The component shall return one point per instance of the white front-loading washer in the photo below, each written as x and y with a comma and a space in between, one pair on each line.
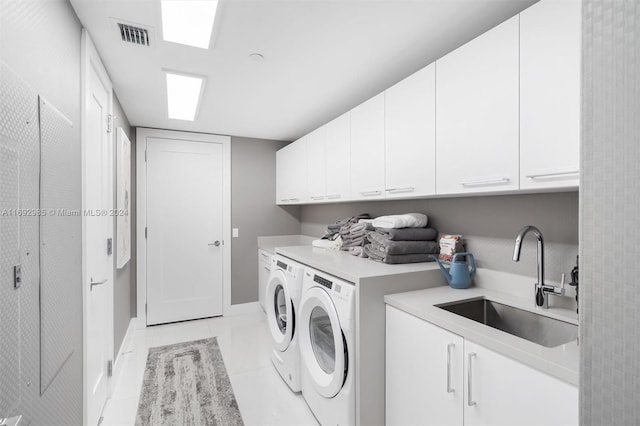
282, 301
327, 347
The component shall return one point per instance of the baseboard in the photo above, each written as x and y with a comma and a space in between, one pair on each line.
242, 308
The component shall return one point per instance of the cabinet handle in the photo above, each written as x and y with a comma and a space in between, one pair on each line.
333, 196
317, 197
268, 269
485, 182
470, 401
293, 200
553, 175
284, 200
370, 193
450, 347
401, 190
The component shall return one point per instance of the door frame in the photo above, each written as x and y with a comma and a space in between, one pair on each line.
90, 58
141, 212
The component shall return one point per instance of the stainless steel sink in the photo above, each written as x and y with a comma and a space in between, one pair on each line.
527, 325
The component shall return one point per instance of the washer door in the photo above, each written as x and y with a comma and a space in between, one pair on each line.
280, 315
322, 344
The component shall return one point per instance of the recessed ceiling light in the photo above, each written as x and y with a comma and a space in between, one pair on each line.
188, 22
256, 57
183, 95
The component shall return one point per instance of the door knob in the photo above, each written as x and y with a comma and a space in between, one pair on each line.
93, 283
216, 243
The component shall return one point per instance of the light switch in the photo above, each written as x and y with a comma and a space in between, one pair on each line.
235, 232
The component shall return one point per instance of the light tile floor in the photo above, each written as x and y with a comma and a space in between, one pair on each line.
263, 397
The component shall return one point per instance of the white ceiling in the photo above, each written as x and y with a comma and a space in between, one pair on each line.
322, 57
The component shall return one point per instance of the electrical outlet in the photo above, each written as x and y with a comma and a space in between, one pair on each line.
235, 232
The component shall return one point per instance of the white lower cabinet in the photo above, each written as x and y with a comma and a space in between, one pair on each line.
424, 383
434, 377
502, 391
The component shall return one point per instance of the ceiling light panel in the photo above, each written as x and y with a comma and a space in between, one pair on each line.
183, 95
188, 22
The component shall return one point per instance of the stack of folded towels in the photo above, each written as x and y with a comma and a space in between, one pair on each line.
354, 236
401, 239
333, 238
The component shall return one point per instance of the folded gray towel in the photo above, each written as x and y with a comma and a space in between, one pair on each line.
353, 243
406, 247
409, 234
334, 228
361, 227
357, 251
396, 258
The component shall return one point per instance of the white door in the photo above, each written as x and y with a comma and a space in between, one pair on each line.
424, 369
316, 164
339, 158
477, 114
502, 391
410, 135
184, 230
322, 346
98, 198
550, 94
367, 149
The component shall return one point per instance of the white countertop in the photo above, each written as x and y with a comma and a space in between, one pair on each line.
561, 362
270, 243
348, 267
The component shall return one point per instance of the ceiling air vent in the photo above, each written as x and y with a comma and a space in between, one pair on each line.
135, 35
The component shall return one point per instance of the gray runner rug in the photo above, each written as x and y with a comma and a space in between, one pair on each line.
187, 384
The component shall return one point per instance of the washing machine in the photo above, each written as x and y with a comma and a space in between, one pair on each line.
282, 300
327, 347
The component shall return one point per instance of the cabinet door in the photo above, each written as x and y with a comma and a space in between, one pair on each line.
316, 164
410, 136
282, 175
291, 173
477, 114
367, 149
550, 94
424, 366
338, 160
502, 391
297, 175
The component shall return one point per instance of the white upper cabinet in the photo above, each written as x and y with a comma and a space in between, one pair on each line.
550, 94
291, 173
410, 136
338, 139
477, 114
316, 165
367, 149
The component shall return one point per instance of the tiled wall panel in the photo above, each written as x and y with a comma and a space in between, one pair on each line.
609, 209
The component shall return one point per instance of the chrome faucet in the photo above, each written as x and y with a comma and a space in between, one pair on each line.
542, 290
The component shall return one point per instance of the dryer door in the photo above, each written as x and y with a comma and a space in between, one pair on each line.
322, 346
280, 315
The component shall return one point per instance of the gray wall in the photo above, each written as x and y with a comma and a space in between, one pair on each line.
40, 42
253, 211
610, 204
124, 289
489, 225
